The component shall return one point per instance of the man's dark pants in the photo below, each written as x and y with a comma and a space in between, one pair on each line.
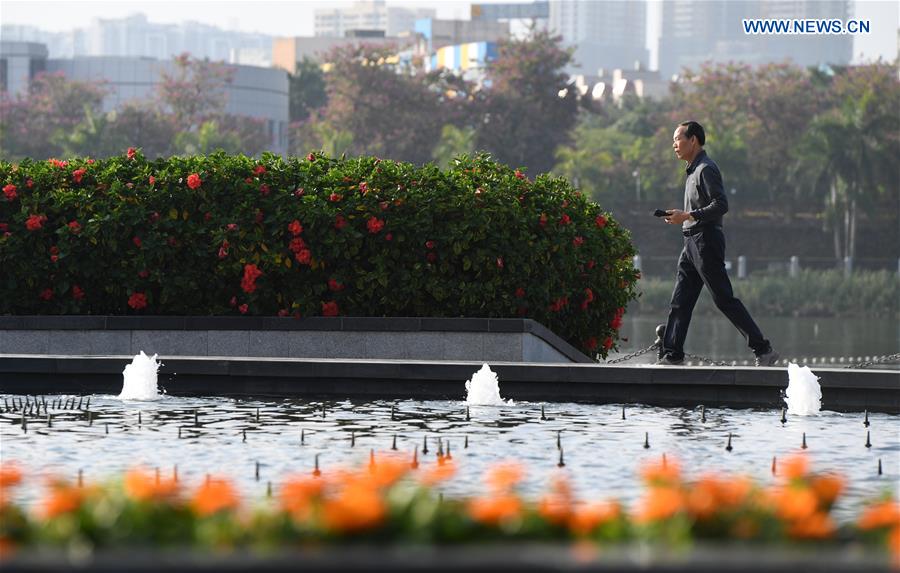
702, 262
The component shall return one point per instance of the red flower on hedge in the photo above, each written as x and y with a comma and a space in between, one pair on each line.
283, 312
588, 298
152, 180
520, 292
578, 241
616, 322
329, 309
131, 153
137, 242
340, 222
144, 273
304, 257
137, 300
608, 342
259, 170
295, 227
363, 187
297, 244
499, 262
591, 343
264, 190
429, 244
77, 292
334, 197
193, 180
251, 273
335, 286
35, 222
46, 294
565, 219
311, 157
543, 220
243, 308
558, 304
231, 227
10, 192
600, 221
78, 174
431, 257
374, 225
223, 250
389, 237
519, 174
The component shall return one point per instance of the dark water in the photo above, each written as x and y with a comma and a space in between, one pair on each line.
800, 338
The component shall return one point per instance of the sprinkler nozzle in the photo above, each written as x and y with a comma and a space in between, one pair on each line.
703, 413
774, 466
543, 416
394, 443
623, 411
868, 439
415, 460
646, 440
783, 415
424, 445
316, 471
866, 421
879, 466
561, 462
302, 437
466, 442
468, 417
352, 438
728, 447
804, 441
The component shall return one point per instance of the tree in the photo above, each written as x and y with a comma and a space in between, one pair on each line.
391, 112
307, 89
54, 105
194, 90
852, 149
528, 110
454, 141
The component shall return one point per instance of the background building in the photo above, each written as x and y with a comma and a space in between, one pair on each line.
256, 92
439, 33
368, 15
606, 34
696, 32
286, 52
134, 36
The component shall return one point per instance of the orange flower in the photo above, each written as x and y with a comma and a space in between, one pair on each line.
876, 516
64, 498
660, 503
10, 475
795, 467
385, 471
556, 506
142, 486
711, 494
437, 473
298, 493
214, 496
495, 510
827, 488
795, 504
587, 518
503, 476
661, 472
357, 507
816, 526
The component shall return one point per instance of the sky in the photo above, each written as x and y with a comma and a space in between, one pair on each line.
295, 18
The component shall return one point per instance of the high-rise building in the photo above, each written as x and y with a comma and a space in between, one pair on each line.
134, 36
697, 32
368, 15
606, 34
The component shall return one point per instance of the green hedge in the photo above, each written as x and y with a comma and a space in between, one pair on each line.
223, 234
812, 293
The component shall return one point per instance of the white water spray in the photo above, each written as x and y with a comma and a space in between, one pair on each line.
484, 388
803, 394
139, 381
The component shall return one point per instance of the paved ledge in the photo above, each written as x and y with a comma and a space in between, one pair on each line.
492, 339
487, 558
739, 387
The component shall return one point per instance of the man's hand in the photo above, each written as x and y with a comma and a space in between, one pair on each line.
677, 216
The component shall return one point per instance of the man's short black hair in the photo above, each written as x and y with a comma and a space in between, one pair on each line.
694, 129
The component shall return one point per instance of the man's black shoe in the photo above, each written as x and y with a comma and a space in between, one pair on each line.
767, 358
667, 360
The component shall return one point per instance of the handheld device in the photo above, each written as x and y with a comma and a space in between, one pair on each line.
659, 213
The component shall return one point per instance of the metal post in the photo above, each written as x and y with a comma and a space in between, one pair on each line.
795, 266
848, 266
742, 267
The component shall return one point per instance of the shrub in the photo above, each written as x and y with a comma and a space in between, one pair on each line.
229, 234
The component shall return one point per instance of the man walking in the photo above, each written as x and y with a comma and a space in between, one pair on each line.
702, 261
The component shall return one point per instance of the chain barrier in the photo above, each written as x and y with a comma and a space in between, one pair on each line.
876, 360
653, 346
705, 359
